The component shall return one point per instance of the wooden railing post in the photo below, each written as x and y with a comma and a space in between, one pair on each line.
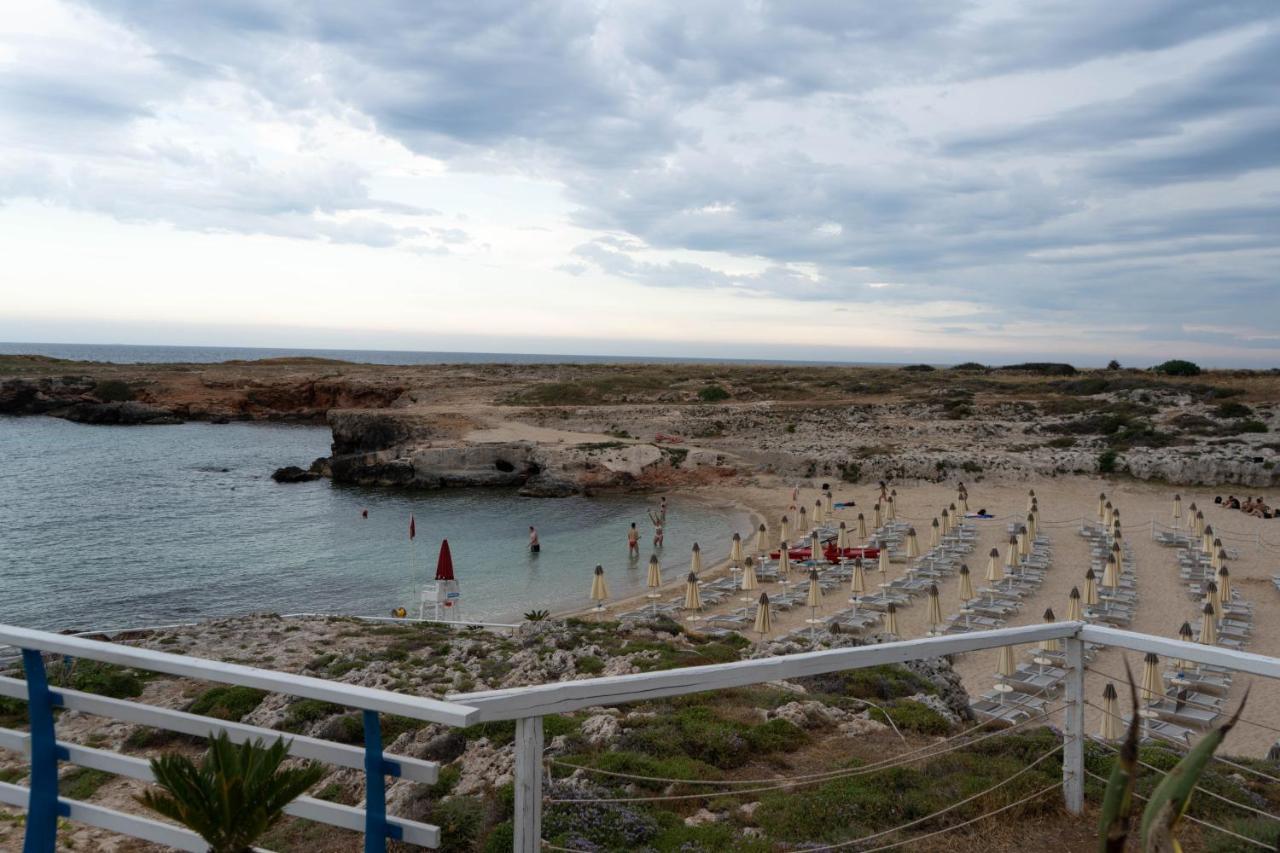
1073, 728
528, 772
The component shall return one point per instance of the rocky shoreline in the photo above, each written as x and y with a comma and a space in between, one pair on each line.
529, 428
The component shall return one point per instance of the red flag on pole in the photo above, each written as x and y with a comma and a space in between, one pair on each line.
413, 529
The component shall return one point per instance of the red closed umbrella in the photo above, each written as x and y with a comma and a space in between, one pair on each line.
444, 565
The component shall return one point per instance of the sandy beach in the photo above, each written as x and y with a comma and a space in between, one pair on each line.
1163, 601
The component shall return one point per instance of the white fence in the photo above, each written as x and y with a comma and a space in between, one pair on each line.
525, 705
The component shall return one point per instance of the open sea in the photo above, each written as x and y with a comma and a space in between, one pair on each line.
110, 527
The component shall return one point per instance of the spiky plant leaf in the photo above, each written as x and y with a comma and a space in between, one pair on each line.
1117, 802
233, 796
1170, 799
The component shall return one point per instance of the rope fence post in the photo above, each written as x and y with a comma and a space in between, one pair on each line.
528, 773
1073, 728
42, 804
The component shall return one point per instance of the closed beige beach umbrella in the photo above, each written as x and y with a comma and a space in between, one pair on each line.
1118, 555
599, 589
1110, 715
764, 620
735, 551
1200, 525
816, 551
857, 581
1210, 593
1031, 526
842, 540
1224, 586
784, 530
695, 562
692, 595
1035, 516
1206, 540
994, 573
891, 620
1208, 626
862, 528
1151, 690
884, 563
1024, 542
1075, 613
1106, 515
784, 563
955, 517
749, 580
762, 540
1005, 665
1186, 635
654, 581
1049, 645
1102, 507
892, 509
802, 521
814, 600
946, 526
1177, 510
879, 518
831, 502
1031, 499
935, 609
1111, 574
1090, 588
966, 585
819, 514
913, 544
964, 501
1011, 555
1219, 559
935, 533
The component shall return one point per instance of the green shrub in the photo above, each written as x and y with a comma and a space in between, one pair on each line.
1232, 410
446, 781
919, 368
106, 679
1061, 442
639, 764
459, 819
970, 367
81, 783
878, 683
590, 664
1113, 365
1043, 368
1248, 426
777, 736
913, 717
306, 711
13, 712
850, 472
502, 838
113, 391
227, 702
712, 394
1107, 461
1177, 367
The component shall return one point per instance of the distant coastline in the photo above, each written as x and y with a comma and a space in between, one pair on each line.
156, 354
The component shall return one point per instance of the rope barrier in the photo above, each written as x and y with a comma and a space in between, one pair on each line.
879, 765
776, 784
1195, 820
944, 810
1191, 702
1205, 791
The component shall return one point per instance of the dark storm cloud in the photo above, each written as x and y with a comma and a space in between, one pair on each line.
721, 127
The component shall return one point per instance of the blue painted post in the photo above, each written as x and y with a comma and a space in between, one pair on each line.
42, 806
376, 828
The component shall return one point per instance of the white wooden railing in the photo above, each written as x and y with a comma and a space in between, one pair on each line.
525, 705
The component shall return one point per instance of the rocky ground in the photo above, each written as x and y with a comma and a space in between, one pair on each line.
771, 734
559, 429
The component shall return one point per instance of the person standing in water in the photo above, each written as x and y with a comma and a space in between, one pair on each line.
633, 541
657, 519
662, 509
534, 545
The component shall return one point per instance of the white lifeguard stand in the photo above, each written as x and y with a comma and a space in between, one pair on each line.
444, 598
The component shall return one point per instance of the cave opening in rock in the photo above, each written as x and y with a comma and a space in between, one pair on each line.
504, 466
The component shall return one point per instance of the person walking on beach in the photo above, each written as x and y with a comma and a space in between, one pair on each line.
534, 545
657, 519
633, 541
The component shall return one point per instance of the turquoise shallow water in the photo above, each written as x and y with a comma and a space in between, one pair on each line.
104, 527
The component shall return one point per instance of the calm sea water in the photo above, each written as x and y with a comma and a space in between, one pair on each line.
104, 527
131, 354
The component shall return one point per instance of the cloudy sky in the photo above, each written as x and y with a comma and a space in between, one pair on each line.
914, 180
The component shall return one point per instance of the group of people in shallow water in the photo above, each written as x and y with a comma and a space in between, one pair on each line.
1256, 507
658, 518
